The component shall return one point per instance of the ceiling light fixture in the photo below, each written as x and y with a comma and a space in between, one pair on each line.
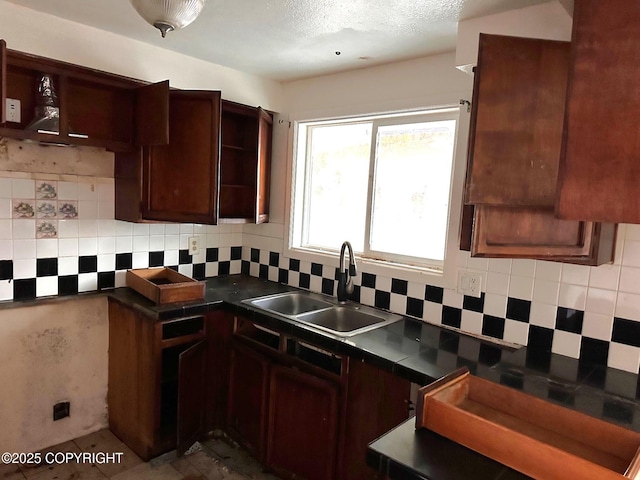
168, 15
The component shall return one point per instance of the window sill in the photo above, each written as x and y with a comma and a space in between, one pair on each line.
412, 273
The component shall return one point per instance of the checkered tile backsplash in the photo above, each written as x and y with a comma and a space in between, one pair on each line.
86, 273
545, 328
81, 248
58, 236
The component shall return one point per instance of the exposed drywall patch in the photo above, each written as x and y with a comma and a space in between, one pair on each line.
56, 352
50, 344
21, 156
4, 152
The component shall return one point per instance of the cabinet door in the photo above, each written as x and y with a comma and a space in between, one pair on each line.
529, 232
151, 114
514, 156
3, 81
518, 113
601, 166
248, 398
245, 163
191, 396
180, 180
303, 425
385, 398
219, 333
265, 132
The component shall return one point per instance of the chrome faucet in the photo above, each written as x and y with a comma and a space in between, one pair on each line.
345, 283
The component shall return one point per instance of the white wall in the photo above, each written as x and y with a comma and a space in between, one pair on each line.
51, 353
550, 20
59, 352
408, 85
29, 31
606, 294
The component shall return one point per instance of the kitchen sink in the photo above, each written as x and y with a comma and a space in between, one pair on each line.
290, 304
343, 320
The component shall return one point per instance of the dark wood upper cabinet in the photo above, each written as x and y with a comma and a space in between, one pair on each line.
518, 113
3, 81
96, 108
515, 147
245, 162
152, 114
530, 232
215, 168
180, 179
181, 156
600, 167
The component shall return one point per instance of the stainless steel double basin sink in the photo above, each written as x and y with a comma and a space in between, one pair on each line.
323, 313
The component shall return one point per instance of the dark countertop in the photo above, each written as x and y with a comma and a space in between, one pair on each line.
423, 454
421, 353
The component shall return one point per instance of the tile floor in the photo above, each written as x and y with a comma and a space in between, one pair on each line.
210, 460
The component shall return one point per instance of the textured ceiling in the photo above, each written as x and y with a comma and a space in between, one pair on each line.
291, 39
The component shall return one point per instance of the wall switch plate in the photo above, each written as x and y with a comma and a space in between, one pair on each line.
194, 247
469, 283
12, 110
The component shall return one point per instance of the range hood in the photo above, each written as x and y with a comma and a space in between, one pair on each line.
47, 111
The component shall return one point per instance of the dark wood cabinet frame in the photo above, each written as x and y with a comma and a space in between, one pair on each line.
514, 155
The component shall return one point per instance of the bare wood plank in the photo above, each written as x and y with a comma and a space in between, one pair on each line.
164, 285
518, 451
604, 435
529, 434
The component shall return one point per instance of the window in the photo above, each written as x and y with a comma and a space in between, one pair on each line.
383, 183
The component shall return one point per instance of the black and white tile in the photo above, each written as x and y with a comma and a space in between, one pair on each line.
547, 328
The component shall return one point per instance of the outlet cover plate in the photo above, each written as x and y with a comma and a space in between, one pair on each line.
194, 245
12, 110
469, 283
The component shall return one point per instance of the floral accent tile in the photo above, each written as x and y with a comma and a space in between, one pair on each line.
46, 209
23, 208
68, 209
46, 229
46, 189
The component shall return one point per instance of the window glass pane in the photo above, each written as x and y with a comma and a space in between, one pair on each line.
336, 197
411, 189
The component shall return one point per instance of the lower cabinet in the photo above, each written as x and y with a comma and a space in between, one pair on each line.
219, 326
156, 382
307, 413
303, 424
248, 398
302, 411
376, 402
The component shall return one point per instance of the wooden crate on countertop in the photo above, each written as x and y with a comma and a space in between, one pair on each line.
529, 434
164, 285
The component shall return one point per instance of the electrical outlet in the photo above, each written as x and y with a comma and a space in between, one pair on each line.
12, 110
469, 283
194, 247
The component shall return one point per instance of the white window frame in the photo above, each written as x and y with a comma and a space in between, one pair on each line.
443, 275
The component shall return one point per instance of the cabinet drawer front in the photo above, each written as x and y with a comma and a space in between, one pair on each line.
182, 327
518, 232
